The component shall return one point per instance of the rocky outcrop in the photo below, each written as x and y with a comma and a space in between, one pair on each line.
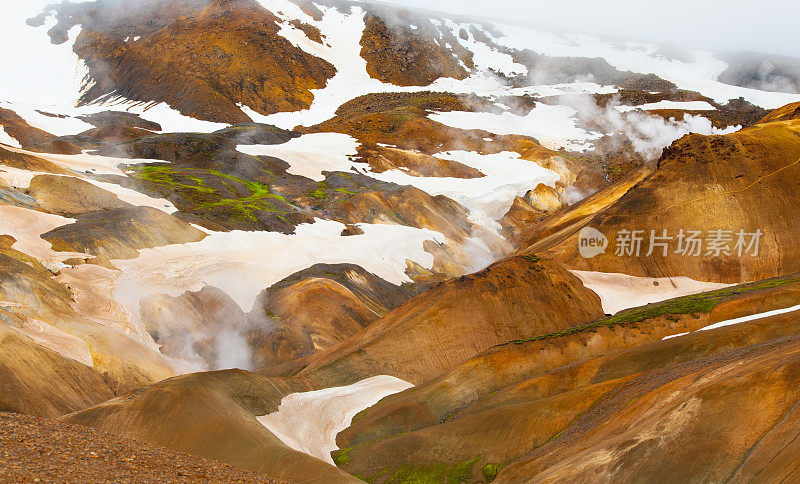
118, 234
382, 159
201, 57
409, 206
70, 196
397, 54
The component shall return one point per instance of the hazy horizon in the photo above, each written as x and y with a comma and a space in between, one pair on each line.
732, 25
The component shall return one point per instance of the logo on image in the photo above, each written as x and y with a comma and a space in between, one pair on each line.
591, 243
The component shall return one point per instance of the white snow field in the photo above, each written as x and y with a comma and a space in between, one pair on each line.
488, 198
242, 264
620, 291
554, 126
311, 154
309, 422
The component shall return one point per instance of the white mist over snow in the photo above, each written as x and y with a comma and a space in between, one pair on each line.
698, 75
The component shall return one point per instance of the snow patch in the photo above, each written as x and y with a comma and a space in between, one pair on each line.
27, 226
312, 154
685, 106
309, 422
621, 291
553, 126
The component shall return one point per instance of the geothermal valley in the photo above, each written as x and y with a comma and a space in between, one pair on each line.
335, 241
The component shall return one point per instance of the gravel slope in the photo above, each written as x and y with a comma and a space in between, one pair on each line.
36, 450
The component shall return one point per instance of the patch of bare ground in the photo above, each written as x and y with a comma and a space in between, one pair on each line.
37, 450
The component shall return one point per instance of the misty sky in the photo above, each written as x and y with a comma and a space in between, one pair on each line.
762, 26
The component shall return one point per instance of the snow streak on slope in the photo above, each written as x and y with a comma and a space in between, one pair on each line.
687, 106
7, 140
484, 56
754, 317
744, 319
27, 226
56, 340
309, 422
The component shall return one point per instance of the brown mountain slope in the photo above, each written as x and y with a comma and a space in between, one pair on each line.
786, 113
192, 326
458, 319
315, 310
726, 407
473, 382
119, 233
34, 139
70, 196
41, 382
30, 296
311, 315
567, 384
213, 415
746, 181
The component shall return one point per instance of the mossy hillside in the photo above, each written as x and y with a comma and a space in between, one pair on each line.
428, 474
695, 305
198, 190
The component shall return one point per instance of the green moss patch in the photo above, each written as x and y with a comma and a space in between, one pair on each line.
687, 305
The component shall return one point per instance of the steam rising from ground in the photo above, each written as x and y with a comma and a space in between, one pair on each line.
648, 134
